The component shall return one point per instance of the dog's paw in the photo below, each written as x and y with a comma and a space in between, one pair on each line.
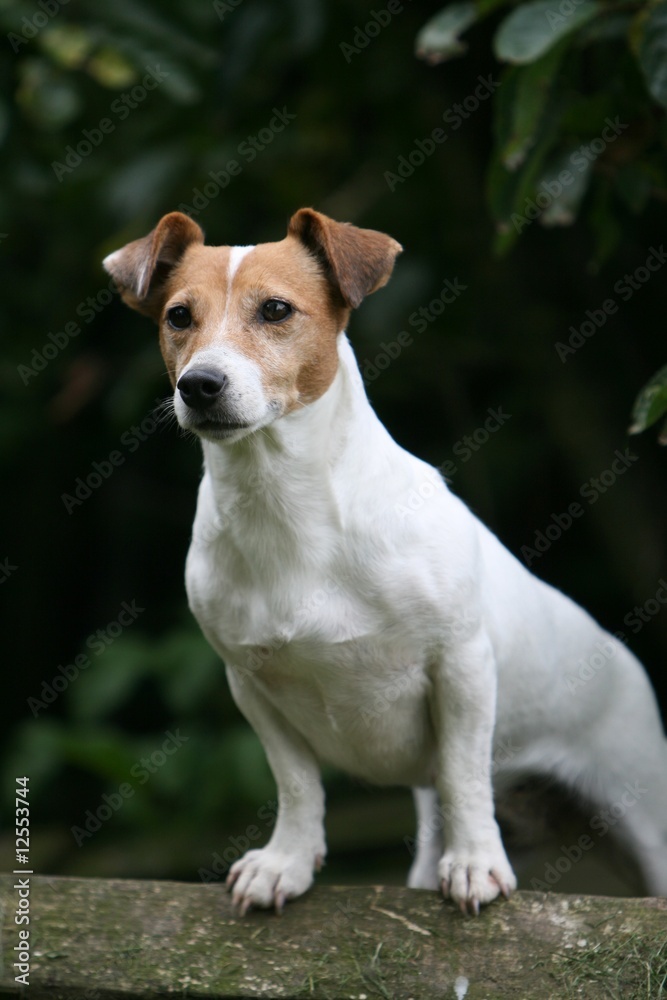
472, 878
267, 878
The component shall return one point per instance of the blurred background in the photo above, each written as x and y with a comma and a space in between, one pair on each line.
491, 354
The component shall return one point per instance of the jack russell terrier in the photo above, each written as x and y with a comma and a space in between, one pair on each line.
326, 596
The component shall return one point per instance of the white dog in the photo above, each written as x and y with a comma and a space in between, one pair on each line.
326, 596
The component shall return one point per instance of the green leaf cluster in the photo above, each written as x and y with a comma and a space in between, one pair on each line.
579, 117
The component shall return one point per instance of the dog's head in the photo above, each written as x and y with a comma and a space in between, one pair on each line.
249, 334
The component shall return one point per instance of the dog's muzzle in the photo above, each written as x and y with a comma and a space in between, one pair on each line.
201, 388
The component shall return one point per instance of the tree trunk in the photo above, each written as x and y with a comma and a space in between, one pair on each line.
97, 939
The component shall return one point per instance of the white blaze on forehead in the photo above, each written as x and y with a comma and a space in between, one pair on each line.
236, 255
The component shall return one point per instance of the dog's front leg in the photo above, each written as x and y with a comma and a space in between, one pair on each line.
284, 868
474, 868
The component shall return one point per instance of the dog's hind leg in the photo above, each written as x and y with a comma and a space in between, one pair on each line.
629, 799
428, 840
618, 764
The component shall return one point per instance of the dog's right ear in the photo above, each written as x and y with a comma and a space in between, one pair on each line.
141, 268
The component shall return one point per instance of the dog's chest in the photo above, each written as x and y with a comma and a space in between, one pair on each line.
332, 651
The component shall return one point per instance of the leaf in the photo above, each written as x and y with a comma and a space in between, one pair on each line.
614, 26
532, 92
105, 685
110, 68
510, 195
188, 671
68, 45
104, 752
534, 28
566, 188
439, 38
510, 192
36, 750
48, 97
653, 53
651, 404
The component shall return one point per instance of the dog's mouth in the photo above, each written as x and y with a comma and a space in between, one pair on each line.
211, 427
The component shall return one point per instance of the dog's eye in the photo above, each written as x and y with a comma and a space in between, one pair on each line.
179, 317
275, 310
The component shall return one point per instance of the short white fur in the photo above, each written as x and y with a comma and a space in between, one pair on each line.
406, 646
428, 604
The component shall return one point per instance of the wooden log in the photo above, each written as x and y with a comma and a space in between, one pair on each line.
107, 939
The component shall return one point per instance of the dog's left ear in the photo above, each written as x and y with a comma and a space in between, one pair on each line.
357, 261
141, 268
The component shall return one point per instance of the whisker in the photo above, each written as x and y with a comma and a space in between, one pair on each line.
164, 412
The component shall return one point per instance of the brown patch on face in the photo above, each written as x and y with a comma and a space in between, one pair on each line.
297, 357
200, 283
322, 269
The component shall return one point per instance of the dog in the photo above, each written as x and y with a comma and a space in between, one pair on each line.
402, 645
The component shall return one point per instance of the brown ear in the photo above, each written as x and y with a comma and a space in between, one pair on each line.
141, 268
357, 261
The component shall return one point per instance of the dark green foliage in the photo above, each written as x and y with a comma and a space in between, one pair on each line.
584, 89
241, 112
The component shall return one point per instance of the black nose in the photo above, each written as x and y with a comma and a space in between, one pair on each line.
201, 388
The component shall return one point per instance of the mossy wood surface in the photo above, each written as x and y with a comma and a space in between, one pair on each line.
97, 939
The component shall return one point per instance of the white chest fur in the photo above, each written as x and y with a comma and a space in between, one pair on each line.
297, 582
